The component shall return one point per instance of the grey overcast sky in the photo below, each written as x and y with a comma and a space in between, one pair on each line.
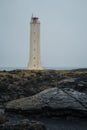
63, 32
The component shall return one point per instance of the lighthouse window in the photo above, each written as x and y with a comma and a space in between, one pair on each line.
34, 49
34, 58
34, 65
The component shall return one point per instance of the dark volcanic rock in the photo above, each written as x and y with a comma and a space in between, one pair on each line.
52, 99
2, 118
24, 124
78, 84
23, 83
68, 93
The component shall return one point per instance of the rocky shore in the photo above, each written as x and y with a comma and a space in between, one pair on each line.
48, 93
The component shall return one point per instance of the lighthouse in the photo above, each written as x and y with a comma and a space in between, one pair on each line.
34, 57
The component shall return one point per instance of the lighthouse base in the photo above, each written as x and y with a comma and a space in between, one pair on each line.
34, 68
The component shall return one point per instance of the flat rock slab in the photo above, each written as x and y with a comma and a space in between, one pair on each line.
53, 98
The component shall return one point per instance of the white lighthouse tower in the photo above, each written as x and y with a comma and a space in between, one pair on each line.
34, 61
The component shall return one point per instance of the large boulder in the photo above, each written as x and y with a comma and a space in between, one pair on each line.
53, 98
